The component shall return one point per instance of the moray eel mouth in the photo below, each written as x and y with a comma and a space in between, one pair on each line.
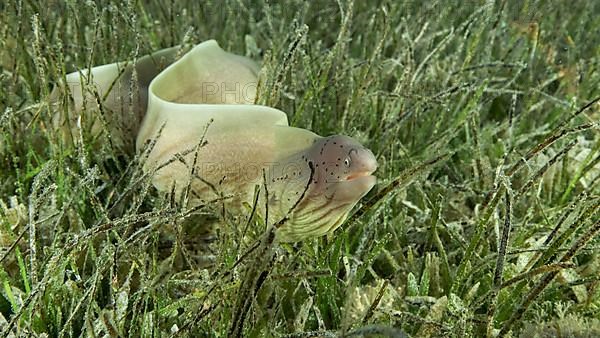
352, 188
359, 175
362, 177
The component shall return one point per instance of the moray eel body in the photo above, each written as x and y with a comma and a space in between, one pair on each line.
206, 139
108, 100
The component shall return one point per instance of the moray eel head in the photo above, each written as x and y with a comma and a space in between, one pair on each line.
342, 168
341, 175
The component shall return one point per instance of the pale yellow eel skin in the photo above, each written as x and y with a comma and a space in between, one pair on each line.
123, 101
204, 137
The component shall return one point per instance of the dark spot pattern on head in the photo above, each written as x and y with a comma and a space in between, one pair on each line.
324, 145
335, 158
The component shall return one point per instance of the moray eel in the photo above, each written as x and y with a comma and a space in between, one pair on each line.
204, 137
